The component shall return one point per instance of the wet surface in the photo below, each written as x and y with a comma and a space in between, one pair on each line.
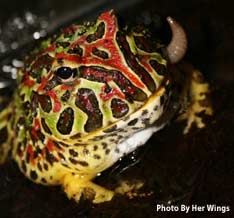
177, 169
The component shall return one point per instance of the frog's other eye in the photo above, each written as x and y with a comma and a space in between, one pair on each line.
66, 74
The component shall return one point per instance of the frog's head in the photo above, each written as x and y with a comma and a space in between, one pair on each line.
94, 75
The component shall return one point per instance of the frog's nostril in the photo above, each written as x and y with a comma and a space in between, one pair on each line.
178, 45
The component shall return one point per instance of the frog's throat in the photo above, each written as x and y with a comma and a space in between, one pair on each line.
136, 140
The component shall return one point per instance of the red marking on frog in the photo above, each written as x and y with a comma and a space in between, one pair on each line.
37, 124
57, 104
50, 49
34, 133
109, 95
69, 87
50, 145
71, 29
145, 62
130, 90
106, 78
68, 57
35, 128
44, 81
43, 84
97, 74
27, 81
115, 61
65, 87
31, 154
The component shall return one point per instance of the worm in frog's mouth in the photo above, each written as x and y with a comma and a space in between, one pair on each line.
178, 45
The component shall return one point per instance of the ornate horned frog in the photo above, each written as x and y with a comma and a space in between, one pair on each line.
94, 94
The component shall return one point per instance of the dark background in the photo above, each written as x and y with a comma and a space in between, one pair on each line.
194, 169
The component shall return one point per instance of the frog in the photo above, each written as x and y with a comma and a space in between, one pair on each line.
93, 94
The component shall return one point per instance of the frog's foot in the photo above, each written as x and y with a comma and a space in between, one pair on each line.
198, 93
131, 189
75, 186
125, 186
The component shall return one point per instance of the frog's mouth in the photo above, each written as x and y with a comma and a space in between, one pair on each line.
136, 140
154, 121
152, 110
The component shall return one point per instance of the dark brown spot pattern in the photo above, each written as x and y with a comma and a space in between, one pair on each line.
104, 145
87, 102
83, 163
39, 166
99, 53
96, 156
62, 44
73, 153
49, 156
52, 83
65, 97
159, 68
95, 148
100, 74
33, 175
133, 122
110, 129
65, 122
132, 62
44, 101
43, 61
73, 161
45, 165
98, 34
107, 151
43, 180
45, 126
119, 108
76, 50
146, 43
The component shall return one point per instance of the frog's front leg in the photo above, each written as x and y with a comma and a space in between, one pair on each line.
6, 134
196, 97
76, 185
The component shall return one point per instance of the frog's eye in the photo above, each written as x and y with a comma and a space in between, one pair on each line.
66, 74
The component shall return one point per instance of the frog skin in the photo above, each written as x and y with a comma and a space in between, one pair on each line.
93, 94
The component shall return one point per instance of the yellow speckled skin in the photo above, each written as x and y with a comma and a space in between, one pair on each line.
91, 96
